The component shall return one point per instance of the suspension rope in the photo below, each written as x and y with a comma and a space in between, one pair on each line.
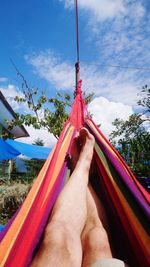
77, 65
119, 66
77, 30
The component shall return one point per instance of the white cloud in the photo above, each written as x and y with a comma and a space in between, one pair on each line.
49, 66
9, 93
3, 79
138, 10
101, 10
146, 123
117, 85
48, 138
117, 30
105, 112
123, 39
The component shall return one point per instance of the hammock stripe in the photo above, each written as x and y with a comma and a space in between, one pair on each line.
26, 229
126, 201
130, 203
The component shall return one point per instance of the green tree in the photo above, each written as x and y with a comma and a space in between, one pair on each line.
144, 102
44, 112
133, 140
34, 165
38, 142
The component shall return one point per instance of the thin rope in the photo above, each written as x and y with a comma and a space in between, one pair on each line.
119, 66
77, 30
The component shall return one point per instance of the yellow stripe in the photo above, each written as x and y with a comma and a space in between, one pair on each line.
60, 160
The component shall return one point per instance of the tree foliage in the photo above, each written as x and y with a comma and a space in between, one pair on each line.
44, 112
144, 102
133, 139
34, 165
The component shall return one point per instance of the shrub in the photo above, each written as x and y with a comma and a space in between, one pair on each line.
11, 197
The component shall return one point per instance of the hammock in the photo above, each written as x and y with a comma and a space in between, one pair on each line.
126, 201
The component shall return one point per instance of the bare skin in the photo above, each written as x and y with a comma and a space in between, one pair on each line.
74, 235
94, 237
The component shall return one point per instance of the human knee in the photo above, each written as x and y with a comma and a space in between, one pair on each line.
59, 234
62, 241
97, 240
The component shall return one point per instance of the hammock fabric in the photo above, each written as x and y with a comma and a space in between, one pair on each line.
126, 201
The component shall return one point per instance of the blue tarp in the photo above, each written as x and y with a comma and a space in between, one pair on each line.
31, 151
10, 149
7, 151
2, 227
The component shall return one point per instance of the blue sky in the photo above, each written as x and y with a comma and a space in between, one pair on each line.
39, 35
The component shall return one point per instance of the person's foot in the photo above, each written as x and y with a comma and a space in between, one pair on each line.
82, 149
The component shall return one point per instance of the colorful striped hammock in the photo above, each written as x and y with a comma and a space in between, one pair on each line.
126, 201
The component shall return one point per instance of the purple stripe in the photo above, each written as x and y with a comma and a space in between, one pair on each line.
124, 175
126, 178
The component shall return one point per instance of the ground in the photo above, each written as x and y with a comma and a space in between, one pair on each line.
11, 196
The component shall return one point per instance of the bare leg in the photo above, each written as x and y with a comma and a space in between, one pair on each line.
94, 237
100, 208
62, 244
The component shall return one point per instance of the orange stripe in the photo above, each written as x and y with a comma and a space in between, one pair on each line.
60, 160
10, 237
